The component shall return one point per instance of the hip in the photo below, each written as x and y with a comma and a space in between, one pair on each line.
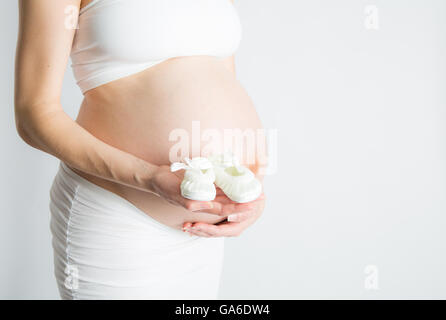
115, 250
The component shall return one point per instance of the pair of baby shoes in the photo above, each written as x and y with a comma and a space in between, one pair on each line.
236, 181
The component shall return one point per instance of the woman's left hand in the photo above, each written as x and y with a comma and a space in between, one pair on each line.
232, 227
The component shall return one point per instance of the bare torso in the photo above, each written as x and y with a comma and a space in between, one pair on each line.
137, 114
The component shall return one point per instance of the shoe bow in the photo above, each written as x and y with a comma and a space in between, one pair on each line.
196, 164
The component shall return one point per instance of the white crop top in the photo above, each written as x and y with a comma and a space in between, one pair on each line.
117, 38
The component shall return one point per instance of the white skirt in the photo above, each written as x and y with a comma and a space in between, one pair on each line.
106, 248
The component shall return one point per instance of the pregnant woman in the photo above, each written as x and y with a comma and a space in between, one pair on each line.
146, 68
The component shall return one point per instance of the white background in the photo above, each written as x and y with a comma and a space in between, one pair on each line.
361, 180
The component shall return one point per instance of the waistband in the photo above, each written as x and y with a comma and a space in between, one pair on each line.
108, 198
78, 180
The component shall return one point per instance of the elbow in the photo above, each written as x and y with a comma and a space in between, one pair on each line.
32, 112
23, 134
23, 124
33, 119
22, 129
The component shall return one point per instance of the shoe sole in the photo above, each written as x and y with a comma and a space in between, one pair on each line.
198, 196
246, 198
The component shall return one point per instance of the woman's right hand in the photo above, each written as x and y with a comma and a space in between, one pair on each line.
166, 184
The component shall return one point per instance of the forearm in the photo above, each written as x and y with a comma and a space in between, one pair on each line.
54, 132
43, 47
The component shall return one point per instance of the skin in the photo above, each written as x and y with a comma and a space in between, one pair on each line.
119, 140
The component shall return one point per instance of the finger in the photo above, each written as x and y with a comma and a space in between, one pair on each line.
219, 191
226, 229
216, 209
186, 225
223, 199
193, 205
221, 205
213, 230
239, 217
225, 209
243, 207
197, 232
228, 209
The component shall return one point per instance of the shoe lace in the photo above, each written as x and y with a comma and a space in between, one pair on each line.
230, 160
197, 164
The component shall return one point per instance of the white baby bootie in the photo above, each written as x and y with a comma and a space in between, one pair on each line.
236, 181
198, 182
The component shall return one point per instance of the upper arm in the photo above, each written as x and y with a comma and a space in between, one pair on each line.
46, 31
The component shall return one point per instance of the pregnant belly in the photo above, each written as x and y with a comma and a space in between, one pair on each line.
182, 107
